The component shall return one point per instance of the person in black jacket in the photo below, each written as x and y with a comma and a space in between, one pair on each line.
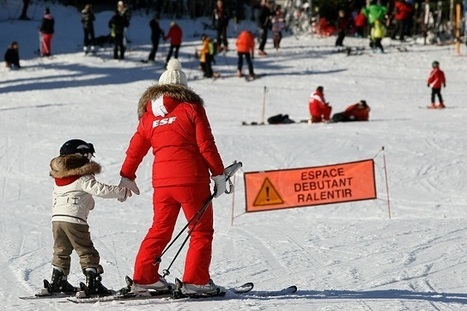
117, 24
264, 24
156, 34
221, 22
12, 56
87, 19
47, 30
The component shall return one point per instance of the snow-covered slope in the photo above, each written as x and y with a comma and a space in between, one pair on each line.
414, 261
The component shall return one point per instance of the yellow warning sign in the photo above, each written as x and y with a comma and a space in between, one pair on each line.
267, 195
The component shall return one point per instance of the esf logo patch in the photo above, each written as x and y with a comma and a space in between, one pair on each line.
164, 121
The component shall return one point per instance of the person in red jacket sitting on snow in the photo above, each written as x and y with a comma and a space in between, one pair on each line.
320, 111
436, 80
173, 122
355, 112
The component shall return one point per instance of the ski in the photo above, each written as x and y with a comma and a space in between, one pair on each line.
433, 108
292, 289
126, 295
242, 289
252, 123
46, 293
47, 296
237, 292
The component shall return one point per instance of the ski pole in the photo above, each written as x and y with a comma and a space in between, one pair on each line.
263, 112
229, 172
199, 214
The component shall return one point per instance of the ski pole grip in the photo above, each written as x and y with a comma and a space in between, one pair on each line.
232, 169
229, 172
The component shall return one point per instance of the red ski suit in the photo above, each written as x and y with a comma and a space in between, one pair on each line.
356, 113
436, 78
319, 109
184, 156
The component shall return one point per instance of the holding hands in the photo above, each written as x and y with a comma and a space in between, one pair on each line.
130, 186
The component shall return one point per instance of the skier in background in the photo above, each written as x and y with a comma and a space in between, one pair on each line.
436, 80
74, 187
156, 34
375, 12
264, 24
173, 122
221, 23
175, 35
117, 24
87, 19
245, 48
123, 10
206, 56
343, 24
377, 33
402, 15
360, 24
278, 25
46, 29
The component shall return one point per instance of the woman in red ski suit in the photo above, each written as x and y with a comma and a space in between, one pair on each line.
173, 122
319, 109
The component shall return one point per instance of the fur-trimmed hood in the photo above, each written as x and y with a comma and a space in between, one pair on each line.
72, 165
177, 92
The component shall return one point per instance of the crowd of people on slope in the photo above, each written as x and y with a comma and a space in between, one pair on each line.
270, 17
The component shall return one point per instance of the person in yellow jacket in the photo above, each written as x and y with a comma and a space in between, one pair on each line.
206, 55
378, 32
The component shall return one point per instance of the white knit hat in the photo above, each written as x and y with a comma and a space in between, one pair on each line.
173, 74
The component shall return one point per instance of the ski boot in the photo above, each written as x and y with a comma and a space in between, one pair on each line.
93, 286
133, 289
198, 291
59, 283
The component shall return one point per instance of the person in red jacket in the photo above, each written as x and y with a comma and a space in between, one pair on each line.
320, 111
436, 80
360, 24
245, 47
175, 35
173, 122
355, 112
46, 33
402, 15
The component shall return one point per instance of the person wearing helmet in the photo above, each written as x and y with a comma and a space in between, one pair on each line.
436, 80
75, 185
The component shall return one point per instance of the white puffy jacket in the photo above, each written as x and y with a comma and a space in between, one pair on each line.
74, 188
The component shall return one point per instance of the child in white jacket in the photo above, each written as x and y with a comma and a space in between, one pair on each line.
74, 188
